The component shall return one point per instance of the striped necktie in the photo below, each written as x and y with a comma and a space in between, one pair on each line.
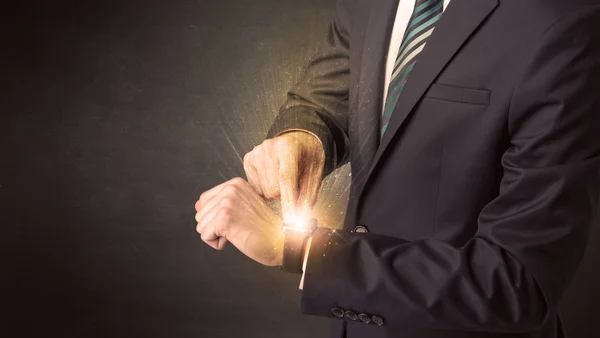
420, 26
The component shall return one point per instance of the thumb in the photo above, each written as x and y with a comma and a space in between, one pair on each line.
222, 241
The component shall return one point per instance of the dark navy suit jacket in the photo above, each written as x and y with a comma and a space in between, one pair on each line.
479, 198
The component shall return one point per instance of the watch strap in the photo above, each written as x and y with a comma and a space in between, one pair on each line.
293, 244
293, 248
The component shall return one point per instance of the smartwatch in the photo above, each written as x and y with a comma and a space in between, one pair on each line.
295, 238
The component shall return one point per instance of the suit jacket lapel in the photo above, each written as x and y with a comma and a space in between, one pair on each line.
370, 88
459, 21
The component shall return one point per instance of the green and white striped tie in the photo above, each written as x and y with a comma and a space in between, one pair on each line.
420, 26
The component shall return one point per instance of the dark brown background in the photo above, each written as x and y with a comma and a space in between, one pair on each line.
114, 117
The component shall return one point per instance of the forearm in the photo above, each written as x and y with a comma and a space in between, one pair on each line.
318, 103
425, 284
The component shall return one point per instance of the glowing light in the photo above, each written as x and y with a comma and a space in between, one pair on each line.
298, 220
253, 98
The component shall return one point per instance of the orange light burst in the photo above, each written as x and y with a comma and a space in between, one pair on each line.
297, 220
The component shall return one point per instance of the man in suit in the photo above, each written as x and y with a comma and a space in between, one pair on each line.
473, 132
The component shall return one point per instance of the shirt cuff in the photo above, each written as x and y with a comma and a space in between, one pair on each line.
307, 249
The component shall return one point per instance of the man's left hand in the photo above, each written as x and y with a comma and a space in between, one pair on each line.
234, 212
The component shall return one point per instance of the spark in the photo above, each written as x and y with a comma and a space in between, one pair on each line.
332, 233
298, 220
250, 108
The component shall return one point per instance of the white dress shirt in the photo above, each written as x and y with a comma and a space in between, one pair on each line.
403, 14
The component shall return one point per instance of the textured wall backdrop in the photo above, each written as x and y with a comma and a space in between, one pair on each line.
115, 116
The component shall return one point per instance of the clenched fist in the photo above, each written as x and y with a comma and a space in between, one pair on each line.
233, 212
289, 166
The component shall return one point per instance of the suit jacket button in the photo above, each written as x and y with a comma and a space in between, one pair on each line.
361, 229
364, 318
338, 312
377, 320
351, 315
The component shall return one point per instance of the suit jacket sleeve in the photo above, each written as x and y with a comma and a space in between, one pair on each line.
318, 103
510, 276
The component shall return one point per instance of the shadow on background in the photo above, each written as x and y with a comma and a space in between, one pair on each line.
115, 117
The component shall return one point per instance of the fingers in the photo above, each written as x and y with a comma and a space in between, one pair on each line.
221, 201
302, 162
228, 194
210, 197
217, 243
310, 182
209, 194
204, 212
311, 175
289, 167
208, 235
204, 217
210, 231
288, 179
235, 214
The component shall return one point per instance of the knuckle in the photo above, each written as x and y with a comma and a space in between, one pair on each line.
204, 236
237, 181
281, 145
225, 214
226, 204
205, 196
268, 192
230, 190
249, 157
272, 144
271, 194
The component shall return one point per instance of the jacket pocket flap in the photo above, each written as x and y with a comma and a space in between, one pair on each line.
459, 94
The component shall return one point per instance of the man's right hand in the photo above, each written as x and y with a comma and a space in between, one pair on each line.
289, 166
